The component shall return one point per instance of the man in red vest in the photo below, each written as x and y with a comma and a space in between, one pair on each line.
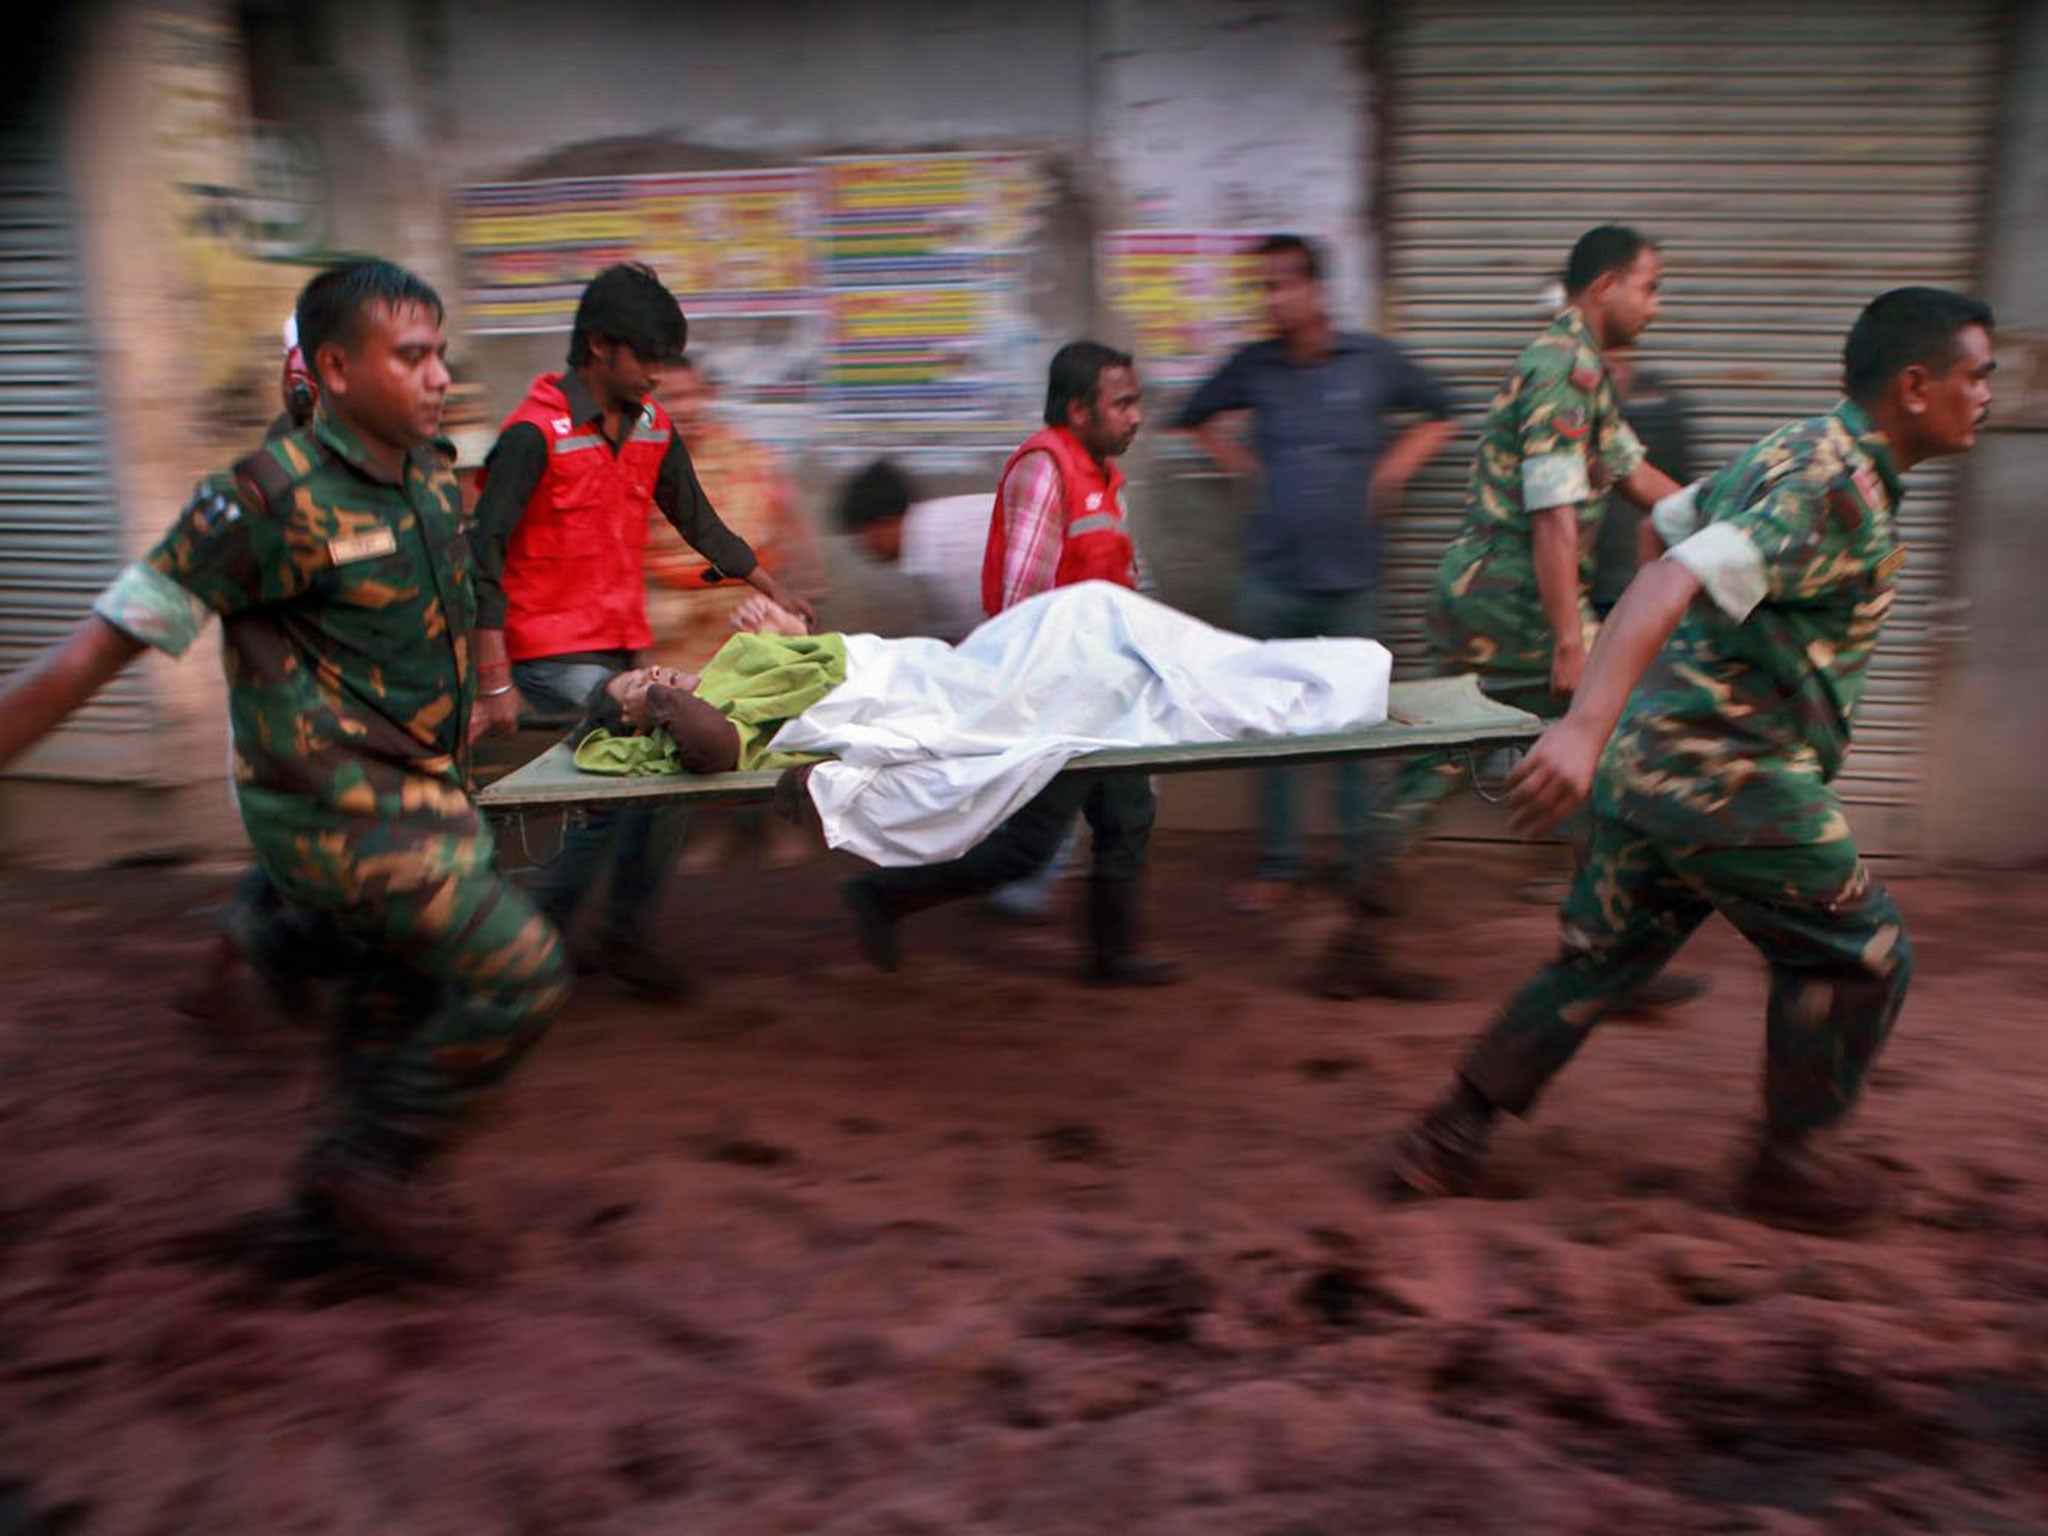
561, 527
1058, 519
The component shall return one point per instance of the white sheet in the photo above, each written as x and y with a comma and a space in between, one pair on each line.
936, 745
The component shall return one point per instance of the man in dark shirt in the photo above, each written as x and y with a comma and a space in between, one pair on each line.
1331, 469
561, 526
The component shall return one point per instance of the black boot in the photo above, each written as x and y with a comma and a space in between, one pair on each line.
1358, 961
1444, 1152
373, 1193
1113, 960
874, 921
1791, 1183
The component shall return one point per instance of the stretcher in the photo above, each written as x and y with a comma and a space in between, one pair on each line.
1436, 713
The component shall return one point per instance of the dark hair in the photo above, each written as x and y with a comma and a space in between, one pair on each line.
1076, 370
601, 712
875, 495
1904, 328
1608, 248
627, 305
330, 307
1310, 253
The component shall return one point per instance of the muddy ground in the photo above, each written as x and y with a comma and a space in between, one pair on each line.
975, 1250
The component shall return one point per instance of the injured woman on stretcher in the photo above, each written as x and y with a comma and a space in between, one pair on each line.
921, 749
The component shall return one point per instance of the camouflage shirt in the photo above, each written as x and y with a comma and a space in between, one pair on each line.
1744, 717
346, 608
1554, 437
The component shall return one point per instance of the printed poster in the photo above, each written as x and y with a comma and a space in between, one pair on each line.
921, 263
1189, 297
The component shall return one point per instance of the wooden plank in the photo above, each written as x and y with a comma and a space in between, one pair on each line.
1431, 712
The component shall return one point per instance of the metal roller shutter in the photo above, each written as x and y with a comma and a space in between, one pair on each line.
60, 539
1793, 161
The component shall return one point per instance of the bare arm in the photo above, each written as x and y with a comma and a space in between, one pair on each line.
1649, 544
1646, 485
1404, 456
1230, 455
1557, 775
1554, 540
36, 699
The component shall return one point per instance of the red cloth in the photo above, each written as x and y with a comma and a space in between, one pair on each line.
573, 579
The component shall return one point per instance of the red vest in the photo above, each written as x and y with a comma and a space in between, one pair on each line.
1094, 545
573, 567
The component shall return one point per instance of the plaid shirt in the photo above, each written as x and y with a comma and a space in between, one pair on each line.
1034, 528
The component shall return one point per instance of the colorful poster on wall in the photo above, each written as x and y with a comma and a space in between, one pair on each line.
727, 242
734, 246
921, 259
1190, 297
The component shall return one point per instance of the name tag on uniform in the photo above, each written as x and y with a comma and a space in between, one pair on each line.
362, 546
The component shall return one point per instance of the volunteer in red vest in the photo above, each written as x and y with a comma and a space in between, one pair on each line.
1058, 519
561, 527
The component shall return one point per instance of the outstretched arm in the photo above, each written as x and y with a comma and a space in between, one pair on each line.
1554, 552
1557, 775
36, 699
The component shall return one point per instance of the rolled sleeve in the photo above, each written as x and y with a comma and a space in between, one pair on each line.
680, 496
149, 607
1556, 437
1728, 566
1786, 522
1677, 517
1554, 480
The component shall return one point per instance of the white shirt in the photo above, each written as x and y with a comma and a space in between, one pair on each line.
944, 543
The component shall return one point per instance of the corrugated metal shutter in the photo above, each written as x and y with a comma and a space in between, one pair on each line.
60, 539
1793, 162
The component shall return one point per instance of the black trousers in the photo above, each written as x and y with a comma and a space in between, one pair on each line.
1120, 809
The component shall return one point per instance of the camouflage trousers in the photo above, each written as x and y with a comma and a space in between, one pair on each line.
1426, 779
451, 974
1832, 936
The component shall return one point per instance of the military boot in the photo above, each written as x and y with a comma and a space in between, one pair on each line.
1113, 960
1442, 1154
1358, 962
1790, 1183
389, 1212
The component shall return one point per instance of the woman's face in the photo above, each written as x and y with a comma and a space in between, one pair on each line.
629, 689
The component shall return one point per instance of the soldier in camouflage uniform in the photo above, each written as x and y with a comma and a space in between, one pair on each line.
1510, 603
1714, 794
335, 559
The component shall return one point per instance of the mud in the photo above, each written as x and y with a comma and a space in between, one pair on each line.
974, 1249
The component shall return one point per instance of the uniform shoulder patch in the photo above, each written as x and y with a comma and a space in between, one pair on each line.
1585, 375
266, 479
215, 504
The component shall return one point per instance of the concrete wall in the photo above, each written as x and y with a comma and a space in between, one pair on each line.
187, 331
1988, 784
1120, 99
399, 103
